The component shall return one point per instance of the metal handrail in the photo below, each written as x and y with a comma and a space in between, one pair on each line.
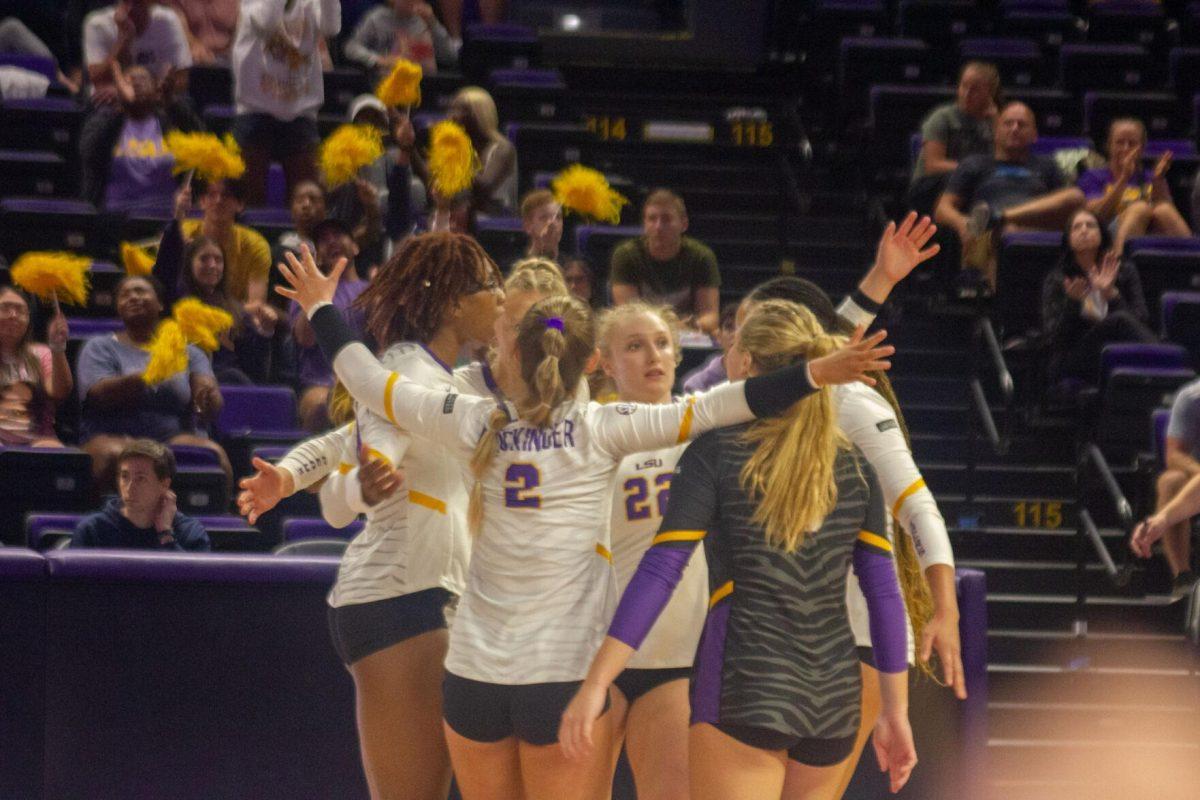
997, 356
1088, 540
984, 337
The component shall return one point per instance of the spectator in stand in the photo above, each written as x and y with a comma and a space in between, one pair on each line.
34, 377
494, 190
118, 404
209, 26
1011, 189
278, 86
247, 254
664, 266
1092, 298
713, 371
1130, 199
490, 12
197, 269
15, 37
334, 240
581, 282
954, 131
135, 33
400, 29
1178, 492
123, 155
542, 221
309, 208
144, 515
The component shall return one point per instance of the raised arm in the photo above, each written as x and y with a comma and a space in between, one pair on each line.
901, 249
689, 516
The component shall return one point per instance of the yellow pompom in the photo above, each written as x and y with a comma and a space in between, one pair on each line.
212, 158
49, 275
137, 260
402, 87
586, 191
168, 353
201, 323
453, 161
347, 150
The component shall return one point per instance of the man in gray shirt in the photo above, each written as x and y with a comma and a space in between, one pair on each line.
954, 131
400, 29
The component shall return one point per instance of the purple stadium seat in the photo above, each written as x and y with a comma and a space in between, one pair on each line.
1083, 67
1019, 59
1158, 110
35, 224
84, 328
295, 530
1047, 145
270, 222
595, 243
1163, 270
1023, 261
533, 94
34, 172
1158, 443
527, 78
43, 123
1145, 356
1058, 113
1179, 147
276, 187
41, 528
940, 24
218, 118
342, 85
1131, 393
271, 453
486, 47
1181, 320
972, 626
502, 237
1130, 21
37, 478
863, 63
189, 456
834, 20
28, 61
1050, 27
1184, 69
894, 113
1175, 244
259, 411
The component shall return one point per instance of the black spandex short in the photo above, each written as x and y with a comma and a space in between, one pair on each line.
491, 712
361, 629
810, 752
634, 683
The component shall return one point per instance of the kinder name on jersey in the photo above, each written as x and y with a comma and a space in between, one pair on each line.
527, 440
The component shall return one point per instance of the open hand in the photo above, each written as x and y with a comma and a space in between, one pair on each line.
575, 729
1162, 165
900, 247
308, 286
853, 360
377, 478
941, 634
57, 332
1104, 278
263, 491
1148, 531
1076, 288
894, 749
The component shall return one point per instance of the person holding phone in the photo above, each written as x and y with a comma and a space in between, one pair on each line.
144, 515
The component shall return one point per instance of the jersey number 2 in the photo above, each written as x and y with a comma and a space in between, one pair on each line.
520, 484
637, 496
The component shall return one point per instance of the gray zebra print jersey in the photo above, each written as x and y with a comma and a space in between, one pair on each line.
777, 652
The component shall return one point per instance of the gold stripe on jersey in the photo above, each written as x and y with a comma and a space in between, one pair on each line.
678, 536
913, 488
685, 427
604, 552
373, 455
428, 501
723, 591
344, 468
387, 397
874, 540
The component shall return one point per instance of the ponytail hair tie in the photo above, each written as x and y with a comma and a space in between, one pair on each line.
554, 322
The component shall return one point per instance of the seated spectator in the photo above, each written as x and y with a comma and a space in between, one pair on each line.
34, 377
494, 189
135, 33
309, 208
197, 269
542, 221
400, 29
123, 155
144, 515
15, 37
713, 370
209, 26
581, 282
278, 86
119, 405
1092, 298
1130, 199
1011, 189
247, 254
954, 131
334, 241
664, 266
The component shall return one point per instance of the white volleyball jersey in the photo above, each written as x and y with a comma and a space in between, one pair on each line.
640, 494
870, 423
313, 459
540, 588
416, 539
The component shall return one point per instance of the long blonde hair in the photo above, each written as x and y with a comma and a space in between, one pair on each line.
791, 470
555, 340
482, 108
610, 318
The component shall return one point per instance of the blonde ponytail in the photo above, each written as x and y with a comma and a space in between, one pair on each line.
791, 471
481, 459
547, 382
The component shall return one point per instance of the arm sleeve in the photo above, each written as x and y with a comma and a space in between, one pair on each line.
335, 509
875, 568
382, 440
190, 535
1132, 297
936, 127
198, 362
258, 257
96, 362
858, 309
871, 425
622, 268
448, 417
1182, 424
315, 458
98, 40
689, 516
443, 49
331, 17
82, 536
182, 57
710, 274
357, 48
263, 16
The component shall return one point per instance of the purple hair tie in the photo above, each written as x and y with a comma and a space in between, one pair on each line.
554, 322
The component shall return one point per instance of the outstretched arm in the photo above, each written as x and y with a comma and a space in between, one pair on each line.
901, 249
